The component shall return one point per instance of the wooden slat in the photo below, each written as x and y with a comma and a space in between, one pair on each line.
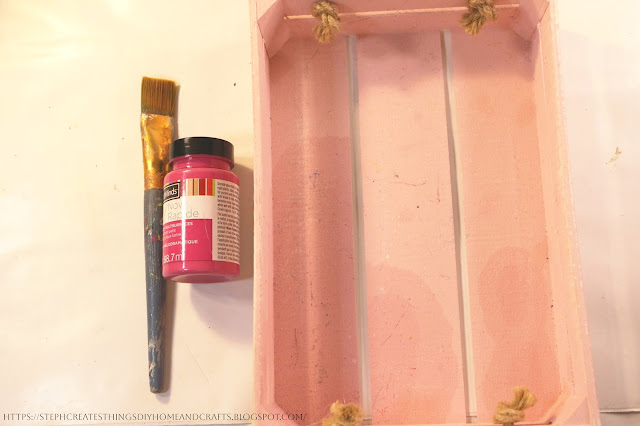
315, 339
410, 21
512, 310
414, 323
297, 7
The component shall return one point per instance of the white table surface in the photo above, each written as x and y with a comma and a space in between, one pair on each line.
600, 65
72, 318
72, 305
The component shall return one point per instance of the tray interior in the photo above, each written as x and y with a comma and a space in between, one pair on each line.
435, 272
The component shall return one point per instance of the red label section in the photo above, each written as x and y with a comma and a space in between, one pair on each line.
188, 239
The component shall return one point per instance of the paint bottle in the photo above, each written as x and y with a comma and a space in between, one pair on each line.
201, 212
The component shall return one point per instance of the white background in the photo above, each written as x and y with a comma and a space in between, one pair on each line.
72, 316
600, 66
72, 301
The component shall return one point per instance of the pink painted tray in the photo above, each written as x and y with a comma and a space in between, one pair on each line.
415, 244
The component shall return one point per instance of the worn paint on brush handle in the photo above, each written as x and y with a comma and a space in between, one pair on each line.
156, 286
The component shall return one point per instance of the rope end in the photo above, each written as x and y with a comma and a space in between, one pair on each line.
329, 25
344, 415
480, 11
509, 413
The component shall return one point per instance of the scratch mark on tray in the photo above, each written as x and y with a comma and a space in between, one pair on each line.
313, 56
295, 340
315, 178
355, 21
381, 411
296, 279
377, 394
412, 184
394, 329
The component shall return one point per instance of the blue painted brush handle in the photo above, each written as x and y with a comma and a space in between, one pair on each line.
156, 286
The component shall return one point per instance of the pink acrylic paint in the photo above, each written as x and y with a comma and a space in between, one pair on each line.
201, 212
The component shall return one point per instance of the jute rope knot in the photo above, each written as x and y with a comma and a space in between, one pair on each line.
509, 413
329, 25
343, 415
479, 12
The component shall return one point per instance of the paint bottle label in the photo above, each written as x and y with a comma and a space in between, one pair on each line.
201, 220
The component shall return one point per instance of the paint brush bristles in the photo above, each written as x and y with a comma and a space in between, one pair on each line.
158, 104
158, 96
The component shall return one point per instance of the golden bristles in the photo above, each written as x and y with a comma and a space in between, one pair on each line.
158, 96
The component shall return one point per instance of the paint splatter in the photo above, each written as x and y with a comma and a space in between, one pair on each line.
615, 156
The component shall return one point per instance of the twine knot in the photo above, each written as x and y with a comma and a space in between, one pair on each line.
479, 12
509, 413
343, 415
329, 25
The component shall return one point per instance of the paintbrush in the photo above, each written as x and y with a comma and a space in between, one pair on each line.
156, 125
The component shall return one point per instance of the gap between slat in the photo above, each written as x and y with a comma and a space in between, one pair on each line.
459, 231
358, 231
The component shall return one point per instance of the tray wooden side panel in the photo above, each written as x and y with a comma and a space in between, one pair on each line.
263, 200
574, 352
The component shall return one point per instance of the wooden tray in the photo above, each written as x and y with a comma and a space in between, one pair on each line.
415, 244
